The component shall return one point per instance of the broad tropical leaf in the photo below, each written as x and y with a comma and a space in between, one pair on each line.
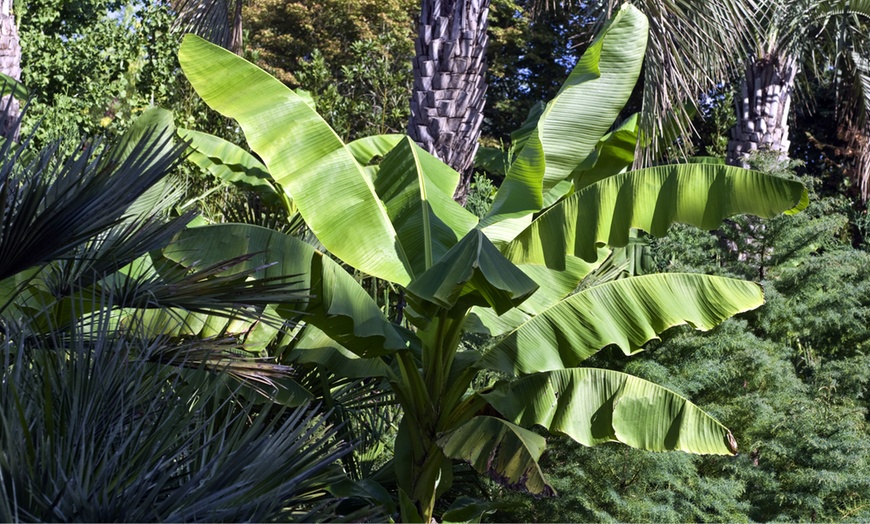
366, 149
475, 271
304, 155
651, 199
504, 451
594, 406
554, 286
614, 154
315, 347
417, 190
337, 305
13, 87
627, 312
582, 112
230, 163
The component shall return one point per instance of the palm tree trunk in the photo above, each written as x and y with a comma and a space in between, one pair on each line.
762, 108
10, 64
449, 84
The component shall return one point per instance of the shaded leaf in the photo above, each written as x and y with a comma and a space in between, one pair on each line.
417, 190
230, 163
337, 305
475, 271
506, 452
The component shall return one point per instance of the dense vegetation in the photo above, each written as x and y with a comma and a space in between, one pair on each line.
310, 366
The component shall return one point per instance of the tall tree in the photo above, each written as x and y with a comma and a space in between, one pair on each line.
10, 65
449, 82
793, 36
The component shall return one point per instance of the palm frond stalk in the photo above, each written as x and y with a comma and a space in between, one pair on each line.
449, 83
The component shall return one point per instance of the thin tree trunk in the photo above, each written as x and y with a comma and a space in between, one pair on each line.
10, 64
449, 84
236, 30
762, 108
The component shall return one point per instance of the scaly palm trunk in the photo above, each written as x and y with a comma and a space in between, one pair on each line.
762, 108
449, 84
10, 64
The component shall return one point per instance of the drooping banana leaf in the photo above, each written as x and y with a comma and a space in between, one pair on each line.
651, 199
337, 305
614, 154
232, 164
474, 271
304, 155
554, 286
506, 452
594, 406
314, 347
574, 121
417, 190
628, 313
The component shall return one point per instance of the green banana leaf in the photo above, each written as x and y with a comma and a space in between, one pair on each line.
506, 452
492, 159
365, 149
417, 191
614, 154
594, 406
475, 271
627, 312
304, 155
337, 305
231, 163
554, 286
13, 87
651, 199
313, 346
574, 121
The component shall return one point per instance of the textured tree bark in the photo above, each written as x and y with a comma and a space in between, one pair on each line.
762, 108
449, 84
10, 64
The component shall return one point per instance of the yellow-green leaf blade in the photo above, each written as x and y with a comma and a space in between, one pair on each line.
651, 199
627, 313
303, 154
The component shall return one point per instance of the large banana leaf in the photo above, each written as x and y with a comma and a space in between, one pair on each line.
504, 451
365, 149
475, 271
315, 347
554, 286
582, 112
614, 154
338, 305
417, 190
593, 406
627, 312
304, 155
230, 163
651, 199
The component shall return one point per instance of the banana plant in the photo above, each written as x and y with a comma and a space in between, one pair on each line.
512, 274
